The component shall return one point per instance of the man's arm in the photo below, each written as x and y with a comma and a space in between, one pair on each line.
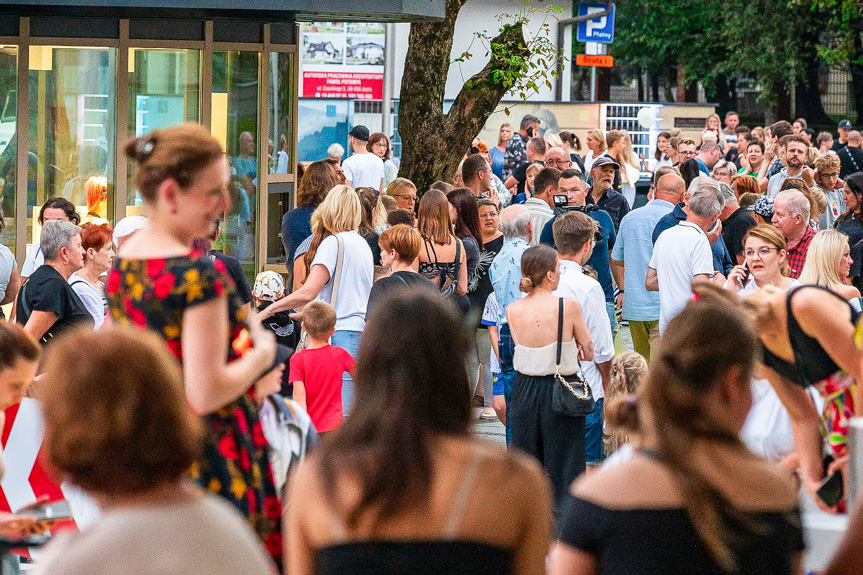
651, 282
605, 372
617, 271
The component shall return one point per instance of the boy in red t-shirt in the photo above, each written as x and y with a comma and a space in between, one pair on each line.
316, 372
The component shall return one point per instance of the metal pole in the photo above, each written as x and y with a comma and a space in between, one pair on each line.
389, 80
593, 83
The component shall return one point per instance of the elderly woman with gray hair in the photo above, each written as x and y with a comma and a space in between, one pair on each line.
47, 305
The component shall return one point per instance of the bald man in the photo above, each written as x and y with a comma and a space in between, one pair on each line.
634, 245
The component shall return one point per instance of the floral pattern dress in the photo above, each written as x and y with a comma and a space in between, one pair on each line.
153, 294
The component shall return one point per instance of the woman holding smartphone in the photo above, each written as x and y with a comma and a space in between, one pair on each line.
765, 251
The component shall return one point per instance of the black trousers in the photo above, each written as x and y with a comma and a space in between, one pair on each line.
556, 441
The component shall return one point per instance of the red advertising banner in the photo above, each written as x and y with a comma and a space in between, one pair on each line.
359, 85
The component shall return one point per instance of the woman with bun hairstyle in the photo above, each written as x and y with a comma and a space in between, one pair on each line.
160, 283
556, 440
693, 498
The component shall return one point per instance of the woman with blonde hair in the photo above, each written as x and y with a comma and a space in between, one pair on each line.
714, 124
552, 140
595, 147
318, 179
628, 372
766, 262
442, 257
498, 152
346, 287
828, 263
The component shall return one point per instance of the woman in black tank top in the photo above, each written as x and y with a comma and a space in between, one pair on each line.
807, 338
402, 487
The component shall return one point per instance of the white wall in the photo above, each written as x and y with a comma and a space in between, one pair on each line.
476, 16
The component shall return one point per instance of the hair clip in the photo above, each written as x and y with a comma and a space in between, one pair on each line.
145, 146
695, 297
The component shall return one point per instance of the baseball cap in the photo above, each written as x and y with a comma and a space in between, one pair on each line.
845, 124
360, 133
604, 161
763, 206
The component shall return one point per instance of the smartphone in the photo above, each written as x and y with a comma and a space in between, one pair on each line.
830, 490
48, 512
746, 277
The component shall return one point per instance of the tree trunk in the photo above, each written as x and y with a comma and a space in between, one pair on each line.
783, 103
807, 98
721, 94
654, 86
641, 94
433, 143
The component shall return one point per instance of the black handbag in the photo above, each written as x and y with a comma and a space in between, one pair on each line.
572, 396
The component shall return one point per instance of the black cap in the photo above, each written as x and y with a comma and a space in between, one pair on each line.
604, 161
845, 124
360, 133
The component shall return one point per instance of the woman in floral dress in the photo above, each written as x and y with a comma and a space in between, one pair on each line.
160, 283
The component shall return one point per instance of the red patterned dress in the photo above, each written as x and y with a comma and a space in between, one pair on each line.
234, 463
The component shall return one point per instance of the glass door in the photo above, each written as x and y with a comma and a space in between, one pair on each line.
165, 90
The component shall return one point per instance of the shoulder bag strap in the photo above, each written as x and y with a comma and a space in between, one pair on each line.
337, 273
559, 331
23, 297
457, 256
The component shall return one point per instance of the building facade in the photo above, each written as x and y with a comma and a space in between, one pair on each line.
77, 81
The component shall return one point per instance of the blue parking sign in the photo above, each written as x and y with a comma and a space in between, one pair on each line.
599, 29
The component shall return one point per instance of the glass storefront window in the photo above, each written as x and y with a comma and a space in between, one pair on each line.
164, 90
72, 127
235, 122
281, 98
8, 144
281, 112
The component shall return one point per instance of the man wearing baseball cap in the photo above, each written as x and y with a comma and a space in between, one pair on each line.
363, 169
844, 129
602, 172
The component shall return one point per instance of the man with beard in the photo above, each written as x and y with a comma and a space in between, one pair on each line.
796, 151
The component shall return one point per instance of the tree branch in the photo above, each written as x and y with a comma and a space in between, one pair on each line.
482, 92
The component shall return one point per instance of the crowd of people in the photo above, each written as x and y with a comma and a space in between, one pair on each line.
408, 313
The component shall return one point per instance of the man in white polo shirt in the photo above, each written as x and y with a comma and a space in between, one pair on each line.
681, 254
363, 169
575, 235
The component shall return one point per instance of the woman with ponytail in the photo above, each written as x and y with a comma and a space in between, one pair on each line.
556, 440
693, 499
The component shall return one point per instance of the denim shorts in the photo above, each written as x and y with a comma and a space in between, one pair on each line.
497, 383
593, 449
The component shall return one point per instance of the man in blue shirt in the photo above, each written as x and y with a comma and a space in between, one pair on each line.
505, 273
575, 189
721, 257
708, 156
634, 246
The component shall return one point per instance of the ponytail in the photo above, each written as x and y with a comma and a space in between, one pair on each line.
700, 345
